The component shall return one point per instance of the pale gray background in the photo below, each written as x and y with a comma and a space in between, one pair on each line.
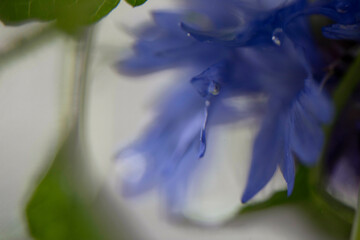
120, 107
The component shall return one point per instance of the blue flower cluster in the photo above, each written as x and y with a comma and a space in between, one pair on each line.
240, 48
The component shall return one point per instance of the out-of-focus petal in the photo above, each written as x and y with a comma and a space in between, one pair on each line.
339, 31
268, 149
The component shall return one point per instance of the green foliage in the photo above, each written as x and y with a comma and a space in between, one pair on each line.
68, 14
135, 3
56, 209
323, 209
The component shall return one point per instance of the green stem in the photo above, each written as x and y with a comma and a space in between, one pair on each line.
355, 233
82, 62
341, 96
74, 103
347, 87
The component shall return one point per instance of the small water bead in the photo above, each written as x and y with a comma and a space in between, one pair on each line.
277, 36
343, 7
214, 88
189, 35
207, 103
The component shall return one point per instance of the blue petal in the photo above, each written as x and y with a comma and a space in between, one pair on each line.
315, 101
258, 33
287, 164
341, 11
339, 31
310, 109
203, 130
175, 188
168, 21
168, 140
268, 149
229, 37
165, 45
307, 136
258, 30
209, 82
156, 55
287, 167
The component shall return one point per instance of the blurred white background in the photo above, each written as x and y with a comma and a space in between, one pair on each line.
118, 110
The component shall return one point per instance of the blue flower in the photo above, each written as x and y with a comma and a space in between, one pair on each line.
171, 147
296, 108
244, 51
170, 150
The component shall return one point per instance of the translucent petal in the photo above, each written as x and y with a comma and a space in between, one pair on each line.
268, 149
307, 136
313, 100
339, 31
287, 164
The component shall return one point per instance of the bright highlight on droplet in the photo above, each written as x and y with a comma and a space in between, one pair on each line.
277, 35
214, 88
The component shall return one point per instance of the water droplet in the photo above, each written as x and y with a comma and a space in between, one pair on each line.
343, 7
277, 36
189, 35
214, 88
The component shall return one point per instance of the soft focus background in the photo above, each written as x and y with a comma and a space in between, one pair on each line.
119, 107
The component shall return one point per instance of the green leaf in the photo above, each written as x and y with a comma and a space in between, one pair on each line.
56, 209
69, 14
325, 211
135, 3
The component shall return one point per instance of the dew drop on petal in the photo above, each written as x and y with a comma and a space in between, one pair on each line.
214, 88
277, 36
207, 104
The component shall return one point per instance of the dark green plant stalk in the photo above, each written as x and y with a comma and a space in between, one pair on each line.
56, 209
341, 96
62, 206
